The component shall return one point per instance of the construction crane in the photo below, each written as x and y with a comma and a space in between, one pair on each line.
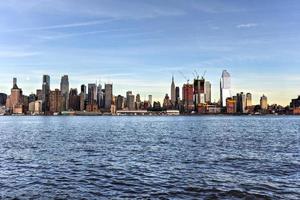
182, 74
203, 76
197, 75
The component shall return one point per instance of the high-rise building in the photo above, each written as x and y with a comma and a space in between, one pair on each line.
3, 98
138, 98
150, 100
100, 96
55, 101
231, 105
199, 94
207, 92
64, 88
127, 99
74, 100
15, 100
108, 96
264, 102
138, 102
241, 103
25, 103
167, 104
225, 87
83, 90
83, 99
130, 102
120, 103
92, 93
187, 97
177, 94
173, 92
46, 93
248, 100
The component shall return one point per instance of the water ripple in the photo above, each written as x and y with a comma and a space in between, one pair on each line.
150, 158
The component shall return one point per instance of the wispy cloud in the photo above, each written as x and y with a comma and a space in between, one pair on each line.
249, 25
113, 33
61, 26
96, 8
17, 54
61, 36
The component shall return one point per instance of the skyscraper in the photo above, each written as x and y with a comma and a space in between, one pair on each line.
92, 94
225, 87
127, 97
187, 97
83, 90
130, 102
99, 96
150, 100
199, 95
64, 88
264, 102
46, 93
108, 96
248, 100
82, 97
177, 97
241, 103
207, 91
173, 92
138, 101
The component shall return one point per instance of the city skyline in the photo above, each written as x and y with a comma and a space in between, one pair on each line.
138, 45
144, 97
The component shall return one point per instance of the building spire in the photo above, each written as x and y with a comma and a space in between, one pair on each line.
15, 86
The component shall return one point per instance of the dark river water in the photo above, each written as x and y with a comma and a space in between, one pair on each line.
150, 157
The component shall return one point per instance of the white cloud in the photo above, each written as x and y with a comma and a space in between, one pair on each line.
249, 25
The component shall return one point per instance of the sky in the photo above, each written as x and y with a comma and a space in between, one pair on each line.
138, 45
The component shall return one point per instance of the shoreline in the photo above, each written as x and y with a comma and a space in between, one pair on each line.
181, 115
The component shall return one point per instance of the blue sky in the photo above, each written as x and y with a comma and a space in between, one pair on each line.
138, 45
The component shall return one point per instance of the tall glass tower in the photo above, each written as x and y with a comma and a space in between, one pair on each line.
225, 87
64, 88
46, 93
173, 92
